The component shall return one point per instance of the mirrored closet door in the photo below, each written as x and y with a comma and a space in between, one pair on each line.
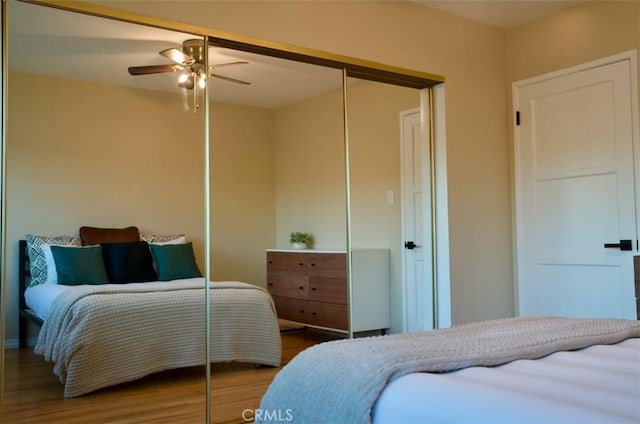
90, 144
114, 124
378, 201
277, 159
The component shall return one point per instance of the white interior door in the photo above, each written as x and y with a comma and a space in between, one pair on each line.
575, 192
418, 296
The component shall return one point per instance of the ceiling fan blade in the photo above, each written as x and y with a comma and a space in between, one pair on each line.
178, 56
230, 79
154, 69
220, 65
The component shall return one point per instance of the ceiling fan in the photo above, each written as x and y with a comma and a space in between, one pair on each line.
191, 61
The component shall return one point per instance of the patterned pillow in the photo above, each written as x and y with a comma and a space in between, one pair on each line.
163, 239
37, 258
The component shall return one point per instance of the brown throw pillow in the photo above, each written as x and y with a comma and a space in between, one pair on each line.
94, 235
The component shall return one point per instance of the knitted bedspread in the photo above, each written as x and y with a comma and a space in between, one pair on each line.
99, 336
338, 382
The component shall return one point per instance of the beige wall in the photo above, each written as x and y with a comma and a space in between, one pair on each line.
590, 31
88, 154
470, 55
309, 169
242, 192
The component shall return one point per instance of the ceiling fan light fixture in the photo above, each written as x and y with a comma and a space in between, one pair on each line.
190, 63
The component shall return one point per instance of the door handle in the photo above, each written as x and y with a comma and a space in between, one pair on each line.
410, 245
623, 245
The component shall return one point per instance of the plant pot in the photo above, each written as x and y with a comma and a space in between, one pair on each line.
299, 246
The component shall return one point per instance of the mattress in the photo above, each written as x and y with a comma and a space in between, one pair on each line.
40, 297
599, 384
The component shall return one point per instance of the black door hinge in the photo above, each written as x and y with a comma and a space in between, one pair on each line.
517, 117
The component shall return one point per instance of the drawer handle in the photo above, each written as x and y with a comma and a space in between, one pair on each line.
301, 311
270, 262
270, 284
313, 313
313, 264
300, 264
301, 288
313, 289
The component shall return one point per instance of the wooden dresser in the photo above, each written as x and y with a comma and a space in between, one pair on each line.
310, 287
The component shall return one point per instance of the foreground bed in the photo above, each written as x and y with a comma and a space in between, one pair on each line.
106, 334
500, 371
599, 384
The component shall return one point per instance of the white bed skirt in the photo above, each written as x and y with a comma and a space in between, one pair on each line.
599, 384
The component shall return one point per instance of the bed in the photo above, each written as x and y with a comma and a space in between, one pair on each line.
517, 370
100, 335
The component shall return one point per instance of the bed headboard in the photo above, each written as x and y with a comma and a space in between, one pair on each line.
24, 277
24, 270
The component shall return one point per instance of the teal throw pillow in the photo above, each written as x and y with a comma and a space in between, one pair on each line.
175, 261
79, 265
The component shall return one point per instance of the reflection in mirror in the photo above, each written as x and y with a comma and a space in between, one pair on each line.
376, 173
277, 159
88, 144
91, 144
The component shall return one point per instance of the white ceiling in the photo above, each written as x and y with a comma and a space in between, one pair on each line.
500, 13
48, 41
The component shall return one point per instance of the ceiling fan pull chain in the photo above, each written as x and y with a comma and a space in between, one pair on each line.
195, 98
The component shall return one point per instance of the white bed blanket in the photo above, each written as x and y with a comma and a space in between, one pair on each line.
599, 384
99, 336
339, 382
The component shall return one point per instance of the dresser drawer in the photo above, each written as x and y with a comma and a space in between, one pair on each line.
287, 285
328, 315
324, 289
311, 287
287, 262
292, 309
328, 265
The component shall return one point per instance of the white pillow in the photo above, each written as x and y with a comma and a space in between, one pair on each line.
179, 240
163, 239
52, 273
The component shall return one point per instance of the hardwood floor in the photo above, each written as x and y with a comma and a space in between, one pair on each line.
33, 393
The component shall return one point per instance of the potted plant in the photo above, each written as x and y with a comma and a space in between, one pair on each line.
300, 240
